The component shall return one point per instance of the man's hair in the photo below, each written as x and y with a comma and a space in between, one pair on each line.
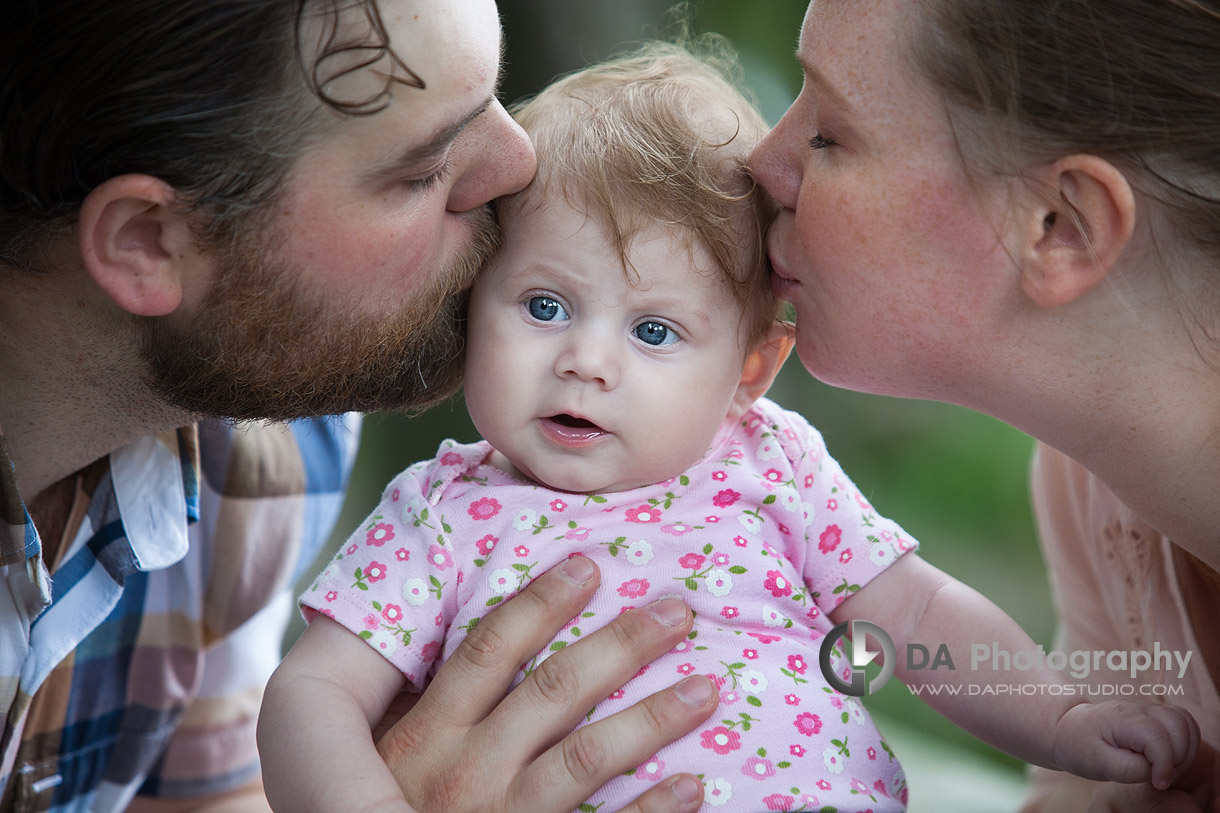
211, 96
659, 136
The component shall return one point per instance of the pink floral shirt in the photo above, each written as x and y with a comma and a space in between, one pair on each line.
762, 538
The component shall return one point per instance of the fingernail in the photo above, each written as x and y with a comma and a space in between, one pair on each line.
685, 789
669, 611
694, 691
578, 570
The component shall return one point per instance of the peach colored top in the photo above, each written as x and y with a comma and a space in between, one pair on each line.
1118, 584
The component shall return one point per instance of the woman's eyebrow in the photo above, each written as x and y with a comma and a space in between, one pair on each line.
823, 85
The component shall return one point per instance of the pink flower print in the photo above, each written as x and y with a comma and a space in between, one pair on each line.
711, 518
823, 784
797, 664
858, 786
379, 534
402, 555
440, 558
773, 476
730, 612
371, 622
617, 694
863, 503
720, 739
872, 752
521, 550
352, 549
903, 544
809, 801
777, 584
836, 702
720, 559
486, 544
558, 506
740, 541
682, 646
814, 612
751, 424
832, 504
717, 680
375, 571
633, 588
758, 768
763, 639
808, 481
720, 476
736, 454
577, 534
749, 654
676, 529
332, 595
640, 673
329, 613
484, 508
845, 556
397, 493
651, 771
692, 560
778, 801
729, 698
879, 786
392, 613
770, 549
830, 538
450, 459
429, 651
440, 619
725, 498
792, 700
796, 750
643, 513
686, 669
783, 529
808, 724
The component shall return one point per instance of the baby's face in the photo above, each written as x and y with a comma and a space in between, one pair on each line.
584, 382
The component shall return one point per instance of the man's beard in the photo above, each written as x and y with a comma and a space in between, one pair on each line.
260, 347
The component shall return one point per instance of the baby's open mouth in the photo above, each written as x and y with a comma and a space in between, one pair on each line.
572, 422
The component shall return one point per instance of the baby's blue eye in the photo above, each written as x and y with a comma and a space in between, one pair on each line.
546, 309
655, 334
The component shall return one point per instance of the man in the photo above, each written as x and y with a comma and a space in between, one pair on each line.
250, 209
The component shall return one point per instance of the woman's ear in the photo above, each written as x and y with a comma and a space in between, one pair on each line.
761, 367
131, 238
1073, 236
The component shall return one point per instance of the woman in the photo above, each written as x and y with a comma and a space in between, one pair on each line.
1014, 205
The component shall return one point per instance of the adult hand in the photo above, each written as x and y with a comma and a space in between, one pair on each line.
1197, 790
464, 745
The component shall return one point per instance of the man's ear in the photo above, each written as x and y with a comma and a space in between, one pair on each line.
131, 238
761, 367
1073, 236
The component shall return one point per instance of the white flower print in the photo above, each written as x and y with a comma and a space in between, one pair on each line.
753, 682
719, 582
411, 509
717, 792
833, 760
769, 448
329, 573
787, 497
639, 553
751, 523
524, 521
773, 618
502, 581
414, 592
855, 710
383, 642
882, 554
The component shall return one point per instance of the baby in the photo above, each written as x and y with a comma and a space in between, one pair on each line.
619, 347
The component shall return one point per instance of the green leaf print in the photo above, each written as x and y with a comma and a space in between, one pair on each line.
683, 480
365, 634
493, 601
377, 606
737, 570
558, 645
770, 498
754, 701
707, 549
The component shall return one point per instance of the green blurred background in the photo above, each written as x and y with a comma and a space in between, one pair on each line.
953, 478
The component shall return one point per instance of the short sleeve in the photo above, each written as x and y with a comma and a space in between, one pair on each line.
392, 582
847, 543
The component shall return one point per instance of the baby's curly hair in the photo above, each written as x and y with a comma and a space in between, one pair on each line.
660, 136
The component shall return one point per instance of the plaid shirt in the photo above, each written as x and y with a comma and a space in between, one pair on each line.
138, 664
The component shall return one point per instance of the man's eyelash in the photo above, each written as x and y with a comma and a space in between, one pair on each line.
429, 182
821, 142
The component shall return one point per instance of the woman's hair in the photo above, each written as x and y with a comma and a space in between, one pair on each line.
1133, 81
659, 136
215, 97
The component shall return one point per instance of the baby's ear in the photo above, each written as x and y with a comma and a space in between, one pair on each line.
761, 367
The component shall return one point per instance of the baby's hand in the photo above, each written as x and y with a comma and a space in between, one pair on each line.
1126, 741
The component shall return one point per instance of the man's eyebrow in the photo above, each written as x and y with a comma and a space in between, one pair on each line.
824, 87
